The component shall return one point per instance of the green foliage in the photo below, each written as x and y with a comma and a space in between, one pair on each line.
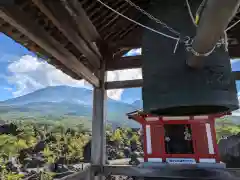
224, 128
135, 138
8, 145
117, 136
6, 175
12, 176
46, 176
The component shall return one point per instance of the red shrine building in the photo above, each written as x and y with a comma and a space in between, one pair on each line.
179, 140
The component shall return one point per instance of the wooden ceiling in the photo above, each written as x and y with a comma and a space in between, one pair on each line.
77, 35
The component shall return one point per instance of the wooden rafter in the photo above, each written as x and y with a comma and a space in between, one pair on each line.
20, 20
124, 84
84, 24
80, 16
166, 172
133, 62
137, 83
129, 62
61, 18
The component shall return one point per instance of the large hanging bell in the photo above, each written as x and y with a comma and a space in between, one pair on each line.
170, 87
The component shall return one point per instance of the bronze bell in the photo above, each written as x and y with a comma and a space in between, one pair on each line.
170, 87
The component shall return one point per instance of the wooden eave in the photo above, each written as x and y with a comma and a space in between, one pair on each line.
77, 36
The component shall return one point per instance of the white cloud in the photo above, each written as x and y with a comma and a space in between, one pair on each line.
122, 75
7, 89
29, 74
234, 61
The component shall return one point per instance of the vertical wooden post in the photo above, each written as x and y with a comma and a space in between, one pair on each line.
98, 149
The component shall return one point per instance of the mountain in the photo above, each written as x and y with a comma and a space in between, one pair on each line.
54, 94
64, 100
58, 101
235, 119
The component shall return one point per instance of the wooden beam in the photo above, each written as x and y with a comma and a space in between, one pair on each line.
139, 82
60, 17
84, 24
81, 18
98, 145
132, 40
82, 175
171, 172
124, 84
235, 52
125, 43
129, 62
21, 21
135, 62
86, 168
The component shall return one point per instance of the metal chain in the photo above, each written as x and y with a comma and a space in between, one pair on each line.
152, 17
186, 40
142, 25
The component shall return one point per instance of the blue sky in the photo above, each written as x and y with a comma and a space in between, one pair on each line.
21, 72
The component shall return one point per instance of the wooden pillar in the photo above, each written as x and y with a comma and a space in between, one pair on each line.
98, 149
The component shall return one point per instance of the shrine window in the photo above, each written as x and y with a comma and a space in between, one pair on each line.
178, 139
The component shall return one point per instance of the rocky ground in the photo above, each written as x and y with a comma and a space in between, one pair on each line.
229, 149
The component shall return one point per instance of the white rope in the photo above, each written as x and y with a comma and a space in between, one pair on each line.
146, 27
197, 13
200, 7
225, 33
233, 25
195, 53
190, 13
225, 41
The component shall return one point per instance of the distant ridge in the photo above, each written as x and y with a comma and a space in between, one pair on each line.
65, 100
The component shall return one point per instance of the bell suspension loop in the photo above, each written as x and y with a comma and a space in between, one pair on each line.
213, 24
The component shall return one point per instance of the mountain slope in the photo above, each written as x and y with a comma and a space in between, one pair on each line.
64, 100
54, 94
71, 101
